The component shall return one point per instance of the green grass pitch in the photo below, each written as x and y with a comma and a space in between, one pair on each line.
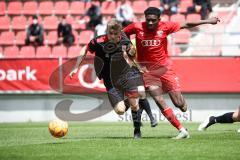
110, 141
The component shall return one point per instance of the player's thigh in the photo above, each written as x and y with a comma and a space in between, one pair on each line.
134, 103
141, 92
170, 82
116, 98
236, 115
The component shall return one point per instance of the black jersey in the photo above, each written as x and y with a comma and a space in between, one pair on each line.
109, 61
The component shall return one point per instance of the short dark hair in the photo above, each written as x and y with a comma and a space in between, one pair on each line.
35, 17
152, 10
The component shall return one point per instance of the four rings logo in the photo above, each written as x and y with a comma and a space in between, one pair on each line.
152, 42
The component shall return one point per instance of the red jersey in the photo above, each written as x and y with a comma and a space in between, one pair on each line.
152, 45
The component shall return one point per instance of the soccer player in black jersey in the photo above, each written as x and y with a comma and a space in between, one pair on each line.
229, 117
114, 63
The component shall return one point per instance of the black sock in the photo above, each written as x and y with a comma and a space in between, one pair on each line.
143, 103
136, 116
225, 118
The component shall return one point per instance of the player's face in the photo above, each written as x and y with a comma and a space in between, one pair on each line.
113, 35
152, 21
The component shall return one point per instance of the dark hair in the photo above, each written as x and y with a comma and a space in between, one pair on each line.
35, 17
153, 11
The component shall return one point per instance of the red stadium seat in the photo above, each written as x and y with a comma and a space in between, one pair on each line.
2, 8
59, 51
85, 36
182, 36
5, 23
43, 52
45, 8
193, 17
50, 23
1, 52
108, 7
77, 7
20, 38
69, 19
74, 51
174, 50
11, 52
184, 5
52, 38
7, 38
19, 23
164, 18
76, 36
30, 8
139, 6
78, 26
154, 3
61, 7
27, 52
14, 8
177, 18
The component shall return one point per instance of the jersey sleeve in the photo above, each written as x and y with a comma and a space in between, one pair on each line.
130, 29
91, 47
172, 27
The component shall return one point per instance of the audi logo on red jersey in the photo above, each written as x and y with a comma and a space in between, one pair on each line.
151, 42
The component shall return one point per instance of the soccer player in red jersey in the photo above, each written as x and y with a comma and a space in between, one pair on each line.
152, 53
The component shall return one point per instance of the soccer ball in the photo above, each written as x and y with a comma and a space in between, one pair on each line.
58, 128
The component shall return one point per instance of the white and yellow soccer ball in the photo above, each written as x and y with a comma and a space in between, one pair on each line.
58, 128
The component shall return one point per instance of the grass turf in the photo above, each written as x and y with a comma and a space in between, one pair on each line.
110, 141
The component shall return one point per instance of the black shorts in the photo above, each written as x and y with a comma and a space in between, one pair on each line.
127, 85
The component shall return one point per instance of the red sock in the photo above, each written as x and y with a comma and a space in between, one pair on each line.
168, 113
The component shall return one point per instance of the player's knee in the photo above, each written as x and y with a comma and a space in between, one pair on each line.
120, 108
135, 107
180, 103
236, 116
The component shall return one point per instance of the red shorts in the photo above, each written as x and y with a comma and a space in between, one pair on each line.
165, 78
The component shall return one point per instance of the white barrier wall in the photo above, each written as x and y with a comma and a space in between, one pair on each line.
24, 108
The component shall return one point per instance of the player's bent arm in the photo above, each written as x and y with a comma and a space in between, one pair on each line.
80, 58
213, 21
132, 55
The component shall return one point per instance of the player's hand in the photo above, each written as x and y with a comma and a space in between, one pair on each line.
74, 71
213, 20
144, 70
132, 51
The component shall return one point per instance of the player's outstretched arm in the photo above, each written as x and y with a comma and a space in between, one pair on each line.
213, 21
80, 58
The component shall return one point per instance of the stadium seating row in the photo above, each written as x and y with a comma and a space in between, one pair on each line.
51, 22
40, 52
9, 38
64, 7
55, 51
